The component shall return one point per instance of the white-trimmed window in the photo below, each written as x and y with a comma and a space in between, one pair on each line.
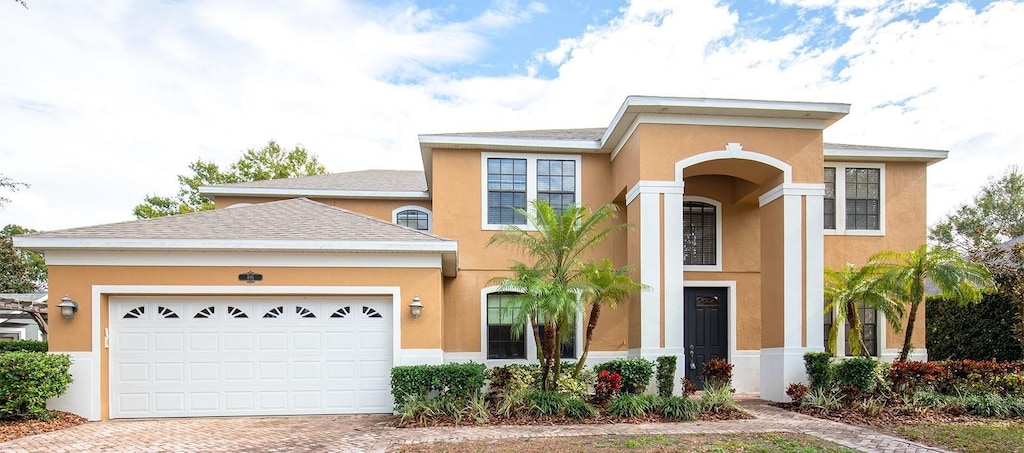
415, 217
871, 322
510, 181
702, 234
854, 198
498, 343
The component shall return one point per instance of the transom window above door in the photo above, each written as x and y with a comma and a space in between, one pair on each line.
702, 234
510, 181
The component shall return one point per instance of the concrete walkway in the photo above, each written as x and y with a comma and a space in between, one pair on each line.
369, 433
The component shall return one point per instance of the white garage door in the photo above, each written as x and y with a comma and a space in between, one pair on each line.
209, 356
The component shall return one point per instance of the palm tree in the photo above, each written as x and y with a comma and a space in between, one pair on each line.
557, 245
956, 278
847, 287
606, 286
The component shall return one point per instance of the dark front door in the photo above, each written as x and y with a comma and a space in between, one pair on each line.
706, 329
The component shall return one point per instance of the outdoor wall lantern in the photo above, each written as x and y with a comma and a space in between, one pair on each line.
416, 308
68, 307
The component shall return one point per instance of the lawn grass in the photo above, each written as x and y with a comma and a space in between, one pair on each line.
984, 437
709, 443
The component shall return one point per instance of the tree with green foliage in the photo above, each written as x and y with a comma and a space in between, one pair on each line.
844, 290
550, 287
606, 285
994, 216
34, 262
269, 162
957, 279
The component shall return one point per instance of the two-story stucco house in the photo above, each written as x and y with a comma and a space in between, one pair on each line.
292, 297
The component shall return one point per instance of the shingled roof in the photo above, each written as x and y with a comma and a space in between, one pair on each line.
297, 219
593, 133
364, 180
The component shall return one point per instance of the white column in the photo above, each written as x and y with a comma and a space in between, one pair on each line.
654, 259
815, 266
650, 273
673, 253
783, 366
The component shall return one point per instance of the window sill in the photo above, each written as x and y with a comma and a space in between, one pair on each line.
855, 233
702, 268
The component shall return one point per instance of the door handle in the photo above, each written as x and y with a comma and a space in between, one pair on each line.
693, 366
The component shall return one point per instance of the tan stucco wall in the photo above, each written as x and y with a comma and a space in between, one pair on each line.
772, 275
664, 145
379, 208
77, 283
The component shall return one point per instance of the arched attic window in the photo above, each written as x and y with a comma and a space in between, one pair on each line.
414, 217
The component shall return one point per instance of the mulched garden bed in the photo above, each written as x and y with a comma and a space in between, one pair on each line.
887, 416
10, 430
604, 418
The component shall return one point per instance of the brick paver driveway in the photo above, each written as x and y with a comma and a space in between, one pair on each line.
371, 433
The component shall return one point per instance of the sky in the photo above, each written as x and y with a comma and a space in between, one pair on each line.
104, 102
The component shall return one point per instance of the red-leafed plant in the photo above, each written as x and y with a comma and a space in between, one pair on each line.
717, 372
609, 383
796, 392
911, 376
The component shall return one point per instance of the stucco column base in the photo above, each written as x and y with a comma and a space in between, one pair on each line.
779, 368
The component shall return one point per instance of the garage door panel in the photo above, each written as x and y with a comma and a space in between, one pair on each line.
239, 356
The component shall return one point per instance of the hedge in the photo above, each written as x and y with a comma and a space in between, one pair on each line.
981, 331
454, 380
23, 345
28, 379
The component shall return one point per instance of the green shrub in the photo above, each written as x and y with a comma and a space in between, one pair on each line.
461, 381
680, 408
579, 409
981, 331
717, 398
628, 406
825, 399
28, 379
510, 378
666, 375
635, 373
1015, 406
571, 387
819, 368
858, 372
23, 345
931, 399
418, 408
985, 405
652, 403
543, 404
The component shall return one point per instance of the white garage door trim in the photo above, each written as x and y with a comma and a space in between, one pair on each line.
179, 356
83, 395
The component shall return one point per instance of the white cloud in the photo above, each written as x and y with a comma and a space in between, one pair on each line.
103, 103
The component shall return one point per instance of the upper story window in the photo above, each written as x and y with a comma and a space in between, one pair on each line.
702, 234
506, 190
415, 217
855, 199
556, 182
510, 181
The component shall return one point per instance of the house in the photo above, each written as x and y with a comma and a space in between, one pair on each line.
293, 296
16, 320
